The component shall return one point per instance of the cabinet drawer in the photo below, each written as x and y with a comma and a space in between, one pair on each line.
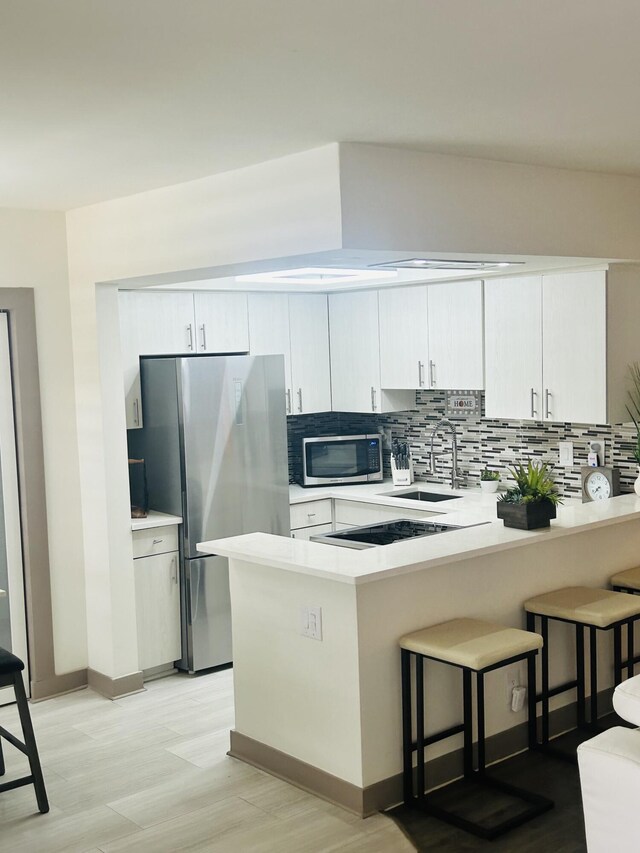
354, 513
308, 532
310, 513
155, 540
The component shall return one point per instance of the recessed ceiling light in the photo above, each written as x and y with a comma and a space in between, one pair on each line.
439, 264
316, 275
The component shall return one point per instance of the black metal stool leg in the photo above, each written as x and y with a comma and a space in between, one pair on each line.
420, 726
580, 676
593, 674
2, 767
630, 648
544, 630
468, 723
407, 751
30, 743
480, 722
617, 655
532, 703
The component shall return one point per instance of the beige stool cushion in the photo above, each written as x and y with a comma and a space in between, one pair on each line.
473, 643
629, 578
597, 607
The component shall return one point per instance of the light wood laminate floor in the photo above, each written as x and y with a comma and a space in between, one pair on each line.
149, 773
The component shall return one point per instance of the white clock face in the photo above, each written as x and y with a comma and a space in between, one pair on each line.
598, 487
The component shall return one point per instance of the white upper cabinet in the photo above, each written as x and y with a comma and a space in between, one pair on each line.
404, 337
431, 336
455, 335
513, 347
151, 323
355, 356
295, 326
222, 323
558, 346
310, 368
574, 347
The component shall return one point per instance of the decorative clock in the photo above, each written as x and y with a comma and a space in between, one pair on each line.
599, 483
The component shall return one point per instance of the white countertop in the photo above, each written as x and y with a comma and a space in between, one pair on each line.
155, 519
371, 564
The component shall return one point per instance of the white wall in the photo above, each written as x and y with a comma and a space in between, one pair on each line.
33, 255
413, 201
283, 207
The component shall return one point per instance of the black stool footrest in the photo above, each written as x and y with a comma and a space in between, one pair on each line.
533, 805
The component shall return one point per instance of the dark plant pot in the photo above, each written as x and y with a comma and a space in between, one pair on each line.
526, 516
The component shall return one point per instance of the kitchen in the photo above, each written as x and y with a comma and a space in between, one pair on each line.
499, 427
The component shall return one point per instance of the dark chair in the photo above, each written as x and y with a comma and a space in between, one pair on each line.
11, 676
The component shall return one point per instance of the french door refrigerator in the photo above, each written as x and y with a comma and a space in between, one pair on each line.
215, 447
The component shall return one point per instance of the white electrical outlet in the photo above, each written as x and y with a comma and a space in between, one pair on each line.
311, 622
565, 452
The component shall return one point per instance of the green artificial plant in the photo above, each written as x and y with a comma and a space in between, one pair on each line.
488, 475
534, 484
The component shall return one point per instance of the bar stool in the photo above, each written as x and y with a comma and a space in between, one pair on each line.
476, 646
11, 676
597, 610
627, 581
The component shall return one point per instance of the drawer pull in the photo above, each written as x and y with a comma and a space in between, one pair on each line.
157, 541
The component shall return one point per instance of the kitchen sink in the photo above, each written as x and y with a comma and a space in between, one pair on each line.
415, 495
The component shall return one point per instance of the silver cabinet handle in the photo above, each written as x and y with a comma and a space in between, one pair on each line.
373, 399
288, 401
534, 410
299, 399
136, 412
173, 577
190, 336
420, 377
547, 397
203, 330
432, 374
157, 541
311, 515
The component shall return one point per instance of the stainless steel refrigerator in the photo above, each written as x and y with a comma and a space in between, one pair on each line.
215, 446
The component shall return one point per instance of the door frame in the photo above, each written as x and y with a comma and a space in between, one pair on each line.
19, 304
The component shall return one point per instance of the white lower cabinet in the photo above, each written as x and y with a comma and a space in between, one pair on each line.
311, 518
157, 585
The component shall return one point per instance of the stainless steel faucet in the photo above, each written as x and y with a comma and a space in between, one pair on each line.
456, 479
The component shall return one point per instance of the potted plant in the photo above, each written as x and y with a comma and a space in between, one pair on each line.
489, 480
532, 502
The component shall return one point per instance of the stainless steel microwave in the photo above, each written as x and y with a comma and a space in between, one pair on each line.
329, 460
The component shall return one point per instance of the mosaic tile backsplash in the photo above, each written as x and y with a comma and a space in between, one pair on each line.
481, 441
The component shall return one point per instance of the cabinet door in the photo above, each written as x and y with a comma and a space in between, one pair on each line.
513, 347
455, 335
151, 323
309, 336
222, 321
404, 334
158, 609
269, 332
355, 351
574, 353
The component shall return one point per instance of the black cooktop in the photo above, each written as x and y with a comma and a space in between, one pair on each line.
390, 531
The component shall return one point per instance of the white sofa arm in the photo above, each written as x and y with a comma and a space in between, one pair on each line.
610, 779
626, 700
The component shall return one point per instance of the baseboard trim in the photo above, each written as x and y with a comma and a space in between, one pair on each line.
299, 773
115, 688
388, 792
58, 684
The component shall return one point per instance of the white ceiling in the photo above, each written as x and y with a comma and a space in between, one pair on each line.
104, 98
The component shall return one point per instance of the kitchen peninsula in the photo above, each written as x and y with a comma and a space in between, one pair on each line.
325, 713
